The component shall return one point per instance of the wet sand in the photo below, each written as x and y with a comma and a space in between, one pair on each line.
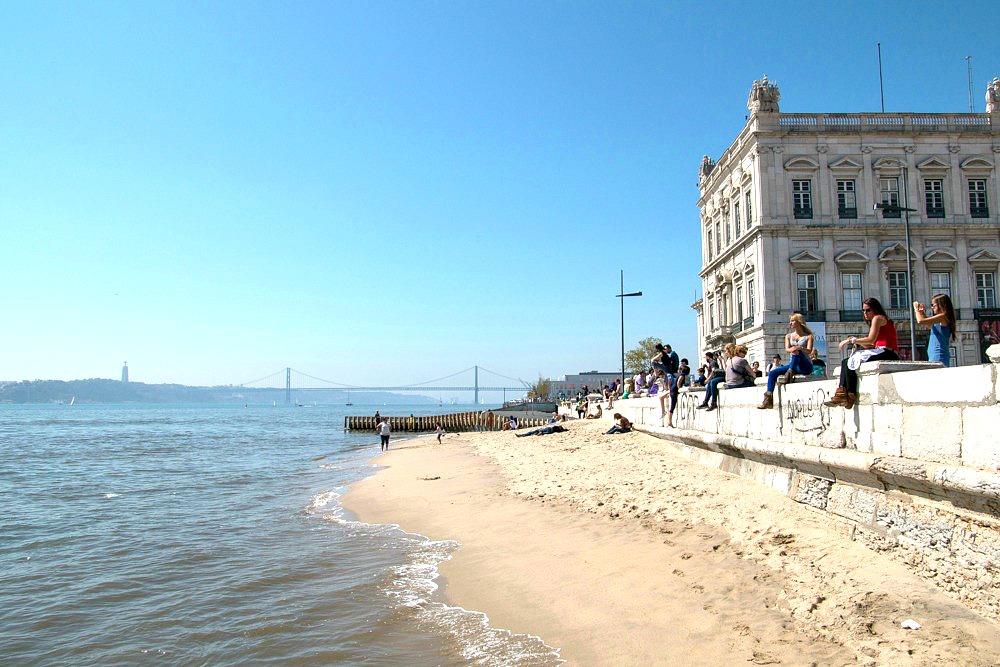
618, 551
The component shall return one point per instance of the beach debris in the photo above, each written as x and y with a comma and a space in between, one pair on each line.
430, 479
909, 624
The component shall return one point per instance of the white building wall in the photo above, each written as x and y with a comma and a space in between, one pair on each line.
774, 149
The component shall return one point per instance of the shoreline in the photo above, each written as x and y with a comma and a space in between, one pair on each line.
615, 549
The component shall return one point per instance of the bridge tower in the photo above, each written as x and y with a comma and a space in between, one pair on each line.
476, 390
288, 386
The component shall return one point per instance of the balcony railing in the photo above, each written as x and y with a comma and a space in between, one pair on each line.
898, 315
814, 315
887, 122
851, 316
978, 212
847, 213
748, 323
935, 212
803, 212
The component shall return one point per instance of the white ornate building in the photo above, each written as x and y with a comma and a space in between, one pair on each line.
788, 224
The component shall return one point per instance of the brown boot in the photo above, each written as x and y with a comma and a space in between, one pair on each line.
850, 400
768, 401
838, 398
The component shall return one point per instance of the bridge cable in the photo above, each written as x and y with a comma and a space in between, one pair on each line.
266, 377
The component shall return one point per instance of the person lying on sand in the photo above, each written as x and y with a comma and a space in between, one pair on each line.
545, 430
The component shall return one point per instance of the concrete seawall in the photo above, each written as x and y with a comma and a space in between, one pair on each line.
913, 469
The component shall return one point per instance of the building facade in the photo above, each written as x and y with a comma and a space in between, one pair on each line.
573, 383
789, 224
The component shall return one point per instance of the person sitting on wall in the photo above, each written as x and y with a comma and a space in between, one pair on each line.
819, 366
799, 345
775, 362
699, 379
622, 425
756, 369
879, 345
738, 375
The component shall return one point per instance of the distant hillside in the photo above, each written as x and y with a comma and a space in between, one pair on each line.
113, 391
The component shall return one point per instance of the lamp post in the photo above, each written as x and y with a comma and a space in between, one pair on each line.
890, 208
621, 295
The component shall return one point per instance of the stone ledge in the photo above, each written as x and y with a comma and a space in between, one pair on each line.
884, 367
977, 490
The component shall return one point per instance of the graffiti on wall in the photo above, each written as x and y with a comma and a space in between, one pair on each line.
807, 415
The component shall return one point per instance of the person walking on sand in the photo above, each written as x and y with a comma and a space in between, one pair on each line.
942, 324
384, 430
440, 432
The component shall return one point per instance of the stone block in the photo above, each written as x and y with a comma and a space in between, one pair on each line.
853, 503
932, 433
884, 367
962, 384
812, 491
980, 437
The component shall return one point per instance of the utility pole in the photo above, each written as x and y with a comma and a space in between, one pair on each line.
968, 62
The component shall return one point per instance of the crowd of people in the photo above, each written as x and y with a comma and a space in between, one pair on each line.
667, 374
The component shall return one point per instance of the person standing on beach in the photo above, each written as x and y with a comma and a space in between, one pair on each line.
440, 432
384, 430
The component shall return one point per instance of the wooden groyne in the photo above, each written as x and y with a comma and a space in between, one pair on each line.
454, 422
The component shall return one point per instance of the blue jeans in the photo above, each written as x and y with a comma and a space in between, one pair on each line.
617, 429
800, 364
712, 392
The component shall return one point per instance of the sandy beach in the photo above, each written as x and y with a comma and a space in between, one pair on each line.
618, 551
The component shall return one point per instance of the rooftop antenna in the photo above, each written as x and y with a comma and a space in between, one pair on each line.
881, 90
968, 61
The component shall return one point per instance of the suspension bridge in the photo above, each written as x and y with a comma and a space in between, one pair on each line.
267, 381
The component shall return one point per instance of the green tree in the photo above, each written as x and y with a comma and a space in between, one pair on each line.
637, 359
541, 389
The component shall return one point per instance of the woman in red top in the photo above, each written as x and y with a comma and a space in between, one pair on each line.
879, 344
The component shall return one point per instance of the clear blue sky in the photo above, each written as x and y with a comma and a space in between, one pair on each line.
377, 192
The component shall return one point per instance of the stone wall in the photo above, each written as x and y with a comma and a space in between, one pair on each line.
912, 470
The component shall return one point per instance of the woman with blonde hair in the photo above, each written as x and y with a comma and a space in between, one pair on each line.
942, 324
799, 345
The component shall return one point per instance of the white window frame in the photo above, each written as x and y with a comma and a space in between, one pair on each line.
847, 198
807, 286
986, 289
851, 291
934, 197
802, 206
889, 194
977, 191
898, 291
940, 282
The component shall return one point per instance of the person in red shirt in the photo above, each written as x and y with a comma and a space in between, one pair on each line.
879, 344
